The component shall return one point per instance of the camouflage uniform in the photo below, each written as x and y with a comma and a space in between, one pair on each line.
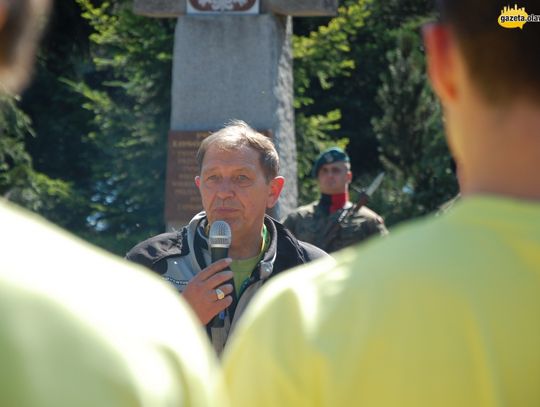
312, 223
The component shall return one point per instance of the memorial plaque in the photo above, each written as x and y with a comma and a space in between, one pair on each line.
222, 6
182, 198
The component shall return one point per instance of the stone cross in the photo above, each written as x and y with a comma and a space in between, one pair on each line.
232, 60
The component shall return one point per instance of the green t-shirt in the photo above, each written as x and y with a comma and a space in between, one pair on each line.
242, 268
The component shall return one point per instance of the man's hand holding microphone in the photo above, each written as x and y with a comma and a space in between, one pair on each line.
209, 292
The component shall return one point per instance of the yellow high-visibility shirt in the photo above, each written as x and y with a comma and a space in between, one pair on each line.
81, 328
445, 312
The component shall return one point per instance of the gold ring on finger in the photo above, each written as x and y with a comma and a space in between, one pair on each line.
220, 294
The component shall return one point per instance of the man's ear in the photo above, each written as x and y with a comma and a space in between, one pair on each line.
276, 186
441, 50
198, 181
349, 176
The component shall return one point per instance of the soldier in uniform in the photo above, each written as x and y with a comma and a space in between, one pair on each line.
330, 223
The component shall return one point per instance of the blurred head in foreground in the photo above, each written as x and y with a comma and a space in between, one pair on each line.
21, 24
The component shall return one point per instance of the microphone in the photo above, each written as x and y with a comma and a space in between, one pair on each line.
219, 239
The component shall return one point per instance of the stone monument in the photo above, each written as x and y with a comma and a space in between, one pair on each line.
232, 60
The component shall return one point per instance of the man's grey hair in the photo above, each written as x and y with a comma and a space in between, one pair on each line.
237, 134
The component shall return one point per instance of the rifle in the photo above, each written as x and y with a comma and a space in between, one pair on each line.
364, 195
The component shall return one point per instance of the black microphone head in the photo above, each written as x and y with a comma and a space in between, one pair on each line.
220, 238
220, 234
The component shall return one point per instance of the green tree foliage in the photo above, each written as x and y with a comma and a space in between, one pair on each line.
37, 154
19, 182
320, 56
354, 94
15, 163
99, 105
386, 110
129, 102
59, 147
410, 133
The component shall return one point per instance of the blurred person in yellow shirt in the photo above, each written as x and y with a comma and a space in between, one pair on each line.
79, 327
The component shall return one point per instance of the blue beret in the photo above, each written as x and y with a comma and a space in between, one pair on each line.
329, 156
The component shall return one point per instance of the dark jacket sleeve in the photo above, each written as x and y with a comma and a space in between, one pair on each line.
153, 252
312, 252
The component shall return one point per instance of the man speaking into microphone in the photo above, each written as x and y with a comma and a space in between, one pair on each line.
238, 181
